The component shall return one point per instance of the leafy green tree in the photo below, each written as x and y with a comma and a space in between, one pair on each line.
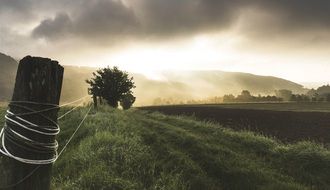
127, 101
111, 84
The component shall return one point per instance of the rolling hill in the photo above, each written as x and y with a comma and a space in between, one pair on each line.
8, 67
183, 85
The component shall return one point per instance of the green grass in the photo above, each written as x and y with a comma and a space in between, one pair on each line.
133, 149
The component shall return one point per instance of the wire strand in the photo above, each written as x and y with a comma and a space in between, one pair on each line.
62, 150
12, 132
66, 113
74, 101
54, 106
21, 180
9, 134
80, 124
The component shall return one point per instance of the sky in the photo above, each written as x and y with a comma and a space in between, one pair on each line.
283, 38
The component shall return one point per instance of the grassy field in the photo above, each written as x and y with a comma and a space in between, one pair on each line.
135, 149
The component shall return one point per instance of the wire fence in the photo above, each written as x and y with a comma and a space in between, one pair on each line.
17, 120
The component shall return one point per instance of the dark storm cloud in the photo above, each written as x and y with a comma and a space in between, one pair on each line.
97, 18
17, 5
15, 11
105, 17
94, 19
291, 18
142, 18
185, 16
299, 12
54, 28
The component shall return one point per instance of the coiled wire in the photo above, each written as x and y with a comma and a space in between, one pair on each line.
51, 130
40, 138
43, 143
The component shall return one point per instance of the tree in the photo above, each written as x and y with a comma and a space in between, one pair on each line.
284, 94
127, 101
111, 84
245, 96
327, 97
228, 98
300, 98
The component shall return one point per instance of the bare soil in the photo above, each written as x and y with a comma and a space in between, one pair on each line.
288, 126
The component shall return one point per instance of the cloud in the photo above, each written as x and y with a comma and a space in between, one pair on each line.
15, 44
106, 17
272, 23
17, 5
95, 19
148, 18
53, 28
300, 13
271, 33
184, 17
172, 17
15, 11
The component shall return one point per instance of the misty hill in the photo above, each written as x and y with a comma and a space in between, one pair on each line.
220, 82
8, 67
185, 85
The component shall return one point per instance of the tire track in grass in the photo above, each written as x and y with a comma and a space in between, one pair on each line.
288, 160
220, 163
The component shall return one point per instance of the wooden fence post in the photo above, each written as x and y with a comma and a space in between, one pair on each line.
37, 80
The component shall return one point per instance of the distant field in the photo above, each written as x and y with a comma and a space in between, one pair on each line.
289, 122
282, 106
134, 149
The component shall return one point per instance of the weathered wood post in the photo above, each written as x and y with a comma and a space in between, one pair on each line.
38, 83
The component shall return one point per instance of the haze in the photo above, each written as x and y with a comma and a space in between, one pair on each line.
287, 39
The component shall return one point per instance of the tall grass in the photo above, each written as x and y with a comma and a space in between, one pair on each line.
133, 149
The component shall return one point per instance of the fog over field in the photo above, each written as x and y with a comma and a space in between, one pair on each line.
176, 85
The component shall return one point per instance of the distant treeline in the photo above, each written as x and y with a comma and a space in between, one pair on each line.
321, 94
175, 101
246, 96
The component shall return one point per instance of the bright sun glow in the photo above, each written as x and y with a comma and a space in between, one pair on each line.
206, 52
186, 55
